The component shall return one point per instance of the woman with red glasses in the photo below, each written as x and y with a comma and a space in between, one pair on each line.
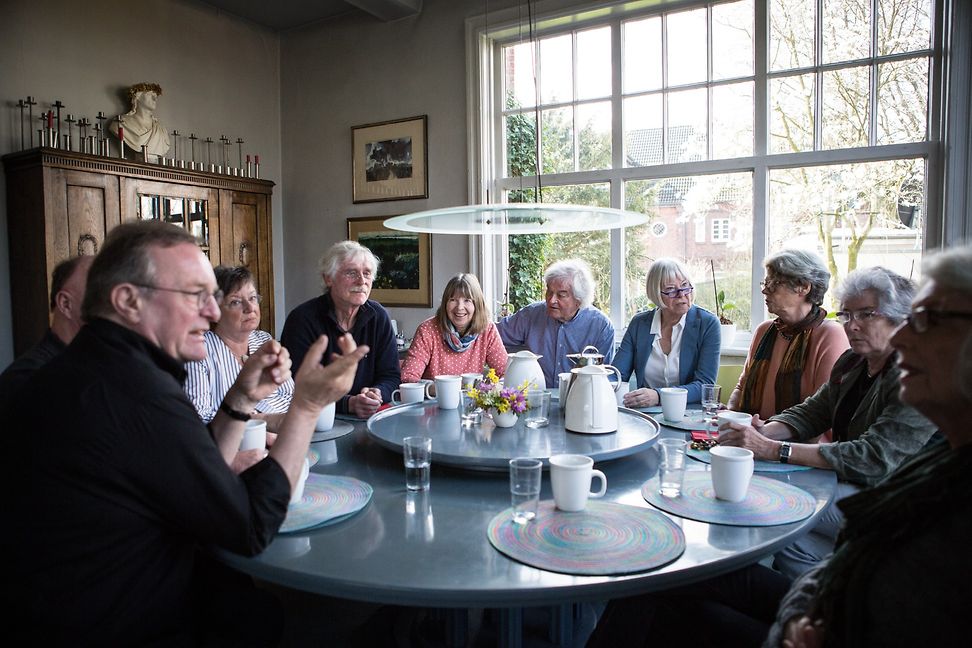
674, 345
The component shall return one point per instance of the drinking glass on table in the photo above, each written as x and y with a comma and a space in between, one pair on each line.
711, 399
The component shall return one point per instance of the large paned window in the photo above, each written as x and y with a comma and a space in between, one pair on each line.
740, 128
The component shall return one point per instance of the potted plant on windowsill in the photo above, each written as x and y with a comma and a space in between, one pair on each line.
722, 307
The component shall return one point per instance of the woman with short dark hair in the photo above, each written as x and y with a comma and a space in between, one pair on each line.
228, 346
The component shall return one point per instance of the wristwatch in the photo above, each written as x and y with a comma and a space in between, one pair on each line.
785, 449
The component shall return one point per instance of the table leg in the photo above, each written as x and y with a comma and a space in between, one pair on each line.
562, 623
510, 628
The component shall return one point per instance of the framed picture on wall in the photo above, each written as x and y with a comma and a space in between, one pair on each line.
405, 270
390, 160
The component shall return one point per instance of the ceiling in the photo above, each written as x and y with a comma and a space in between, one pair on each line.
281, 15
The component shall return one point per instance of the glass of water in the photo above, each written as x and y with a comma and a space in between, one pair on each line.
525, 474
538, 402
711, 399
418, 462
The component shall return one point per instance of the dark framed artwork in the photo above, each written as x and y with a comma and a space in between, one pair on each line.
390, 160
405, 270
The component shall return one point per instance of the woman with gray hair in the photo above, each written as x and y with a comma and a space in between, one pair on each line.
873, 431
348, 270
901, 546
674, 345
792, 355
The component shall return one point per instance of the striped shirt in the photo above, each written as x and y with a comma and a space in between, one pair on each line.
207, 381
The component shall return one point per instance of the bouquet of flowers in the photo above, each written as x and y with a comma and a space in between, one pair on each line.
489, 394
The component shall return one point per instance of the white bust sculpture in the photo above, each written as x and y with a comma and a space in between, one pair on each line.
141, 128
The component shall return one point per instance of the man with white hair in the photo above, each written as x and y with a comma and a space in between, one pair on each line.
565, 322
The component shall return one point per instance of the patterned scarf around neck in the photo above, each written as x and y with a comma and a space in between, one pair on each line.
457, 343
790, 374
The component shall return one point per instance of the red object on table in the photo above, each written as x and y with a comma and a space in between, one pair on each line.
701, 435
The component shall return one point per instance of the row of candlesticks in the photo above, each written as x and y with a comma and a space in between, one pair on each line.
96, 142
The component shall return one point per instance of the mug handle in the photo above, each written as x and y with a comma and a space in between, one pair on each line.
603, 478
399, 401
428, 394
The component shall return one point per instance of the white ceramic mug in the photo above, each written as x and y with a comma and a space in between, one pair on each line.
298, 493
469, 379
409, 393
732, 469
254, 436
447, 390
570, 477
725, 417
673, 402
325, 420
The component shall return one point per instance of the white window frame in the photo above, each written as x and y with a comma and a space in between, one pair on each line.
486, 34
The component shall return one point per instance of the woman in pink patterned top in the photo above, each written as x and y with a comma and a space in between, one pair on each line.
459, 339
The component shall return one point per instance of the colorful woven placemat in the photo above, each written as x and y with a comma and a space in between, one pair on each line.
606, 538
326, 498
768, 502
339, 430
761, 466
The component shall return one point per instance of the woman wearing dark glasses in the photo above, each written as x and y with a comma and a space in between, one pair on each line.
674, 345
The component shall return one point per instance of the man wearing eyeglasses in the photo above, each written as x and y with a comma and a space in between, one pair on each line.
114, 485
565, 322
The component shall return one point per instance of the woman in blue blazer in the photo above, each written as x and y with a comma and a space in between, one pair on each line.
675, 345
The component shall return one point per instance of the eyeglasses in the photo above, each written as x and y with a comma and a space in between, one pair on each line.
861, 316
202, 296
354, 275
769, 285
921, 319
236, 303
677, 292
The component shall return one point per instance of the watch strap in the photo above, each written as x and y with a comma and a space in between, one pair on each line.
232, 413
785, 449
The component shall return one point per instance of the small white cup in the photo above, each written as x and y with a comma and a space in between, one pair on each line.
673, 402
298, 492
732, 469
725, 417
447, 391
254, 436
469, 379
623, 389
325, 420
570, 477
409, 393
564, 382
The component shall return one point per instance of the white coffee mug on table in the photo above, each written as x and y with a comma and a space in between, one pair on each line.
409, 393
725, 417
570, 478
254, 436
298, 493
325, 420
673, 402
447, 391
732, 470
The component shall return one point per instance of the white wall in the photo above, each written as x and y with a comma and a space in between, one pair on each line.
219, 76
356, 70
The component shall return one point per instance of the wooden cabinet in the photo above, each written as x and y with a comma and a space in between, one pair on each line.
61, 204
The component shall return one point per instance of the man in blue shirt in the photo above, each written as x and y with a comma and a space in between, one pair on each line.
565, 322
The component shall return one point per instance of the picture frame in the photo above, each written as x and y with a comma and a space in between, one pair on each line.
390, 160
405, 262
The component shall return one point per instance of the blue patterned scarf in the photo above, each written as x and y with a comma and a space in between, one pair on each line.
456, 343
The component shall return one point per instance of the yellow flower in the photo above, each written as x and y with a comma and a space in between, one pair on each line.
503, 406
491, 376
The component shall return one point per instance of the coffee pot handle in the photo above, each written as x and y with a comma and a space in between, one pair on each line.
617, 373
